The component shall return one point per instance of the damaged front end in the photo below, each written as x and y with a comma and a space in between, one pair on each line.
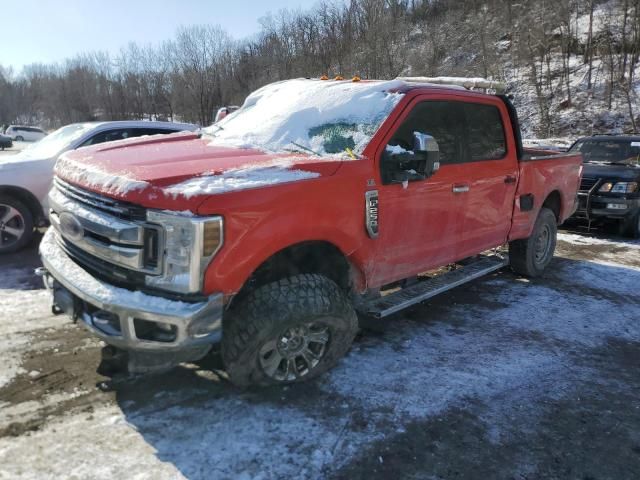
157, 333
133, 276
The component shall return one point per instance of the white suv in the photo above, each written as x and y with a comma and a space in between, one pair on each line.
25, 178
21, 133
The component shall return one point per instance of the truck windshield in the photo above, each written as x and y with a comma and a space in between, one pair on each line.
326, 118
618, 152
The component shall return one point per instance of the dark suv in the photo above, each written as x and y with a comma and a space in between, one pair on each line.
610, 188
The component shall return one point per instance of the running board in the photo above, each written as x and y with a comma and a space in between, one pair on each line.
407, 297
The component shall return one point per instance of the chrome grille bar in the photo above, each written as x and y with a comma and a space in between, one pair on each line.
112, 228
102, 228
97, 201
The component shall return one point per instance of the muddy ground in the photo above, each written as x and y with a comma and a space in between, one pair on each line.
503, 378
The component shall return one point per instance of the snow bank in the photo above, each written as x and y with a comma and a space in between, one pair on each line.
23, 311
575, 239
244, 178
559, 142
92, 176
324, 116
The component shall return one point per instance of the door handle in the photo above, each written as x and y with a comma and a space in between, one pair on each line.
510, 179
460, 188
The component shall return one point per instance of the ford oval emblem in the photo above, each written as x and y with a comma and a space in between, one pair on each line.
71, 226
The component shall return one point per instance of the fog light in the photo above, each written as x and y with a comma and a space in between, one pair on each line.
155, 331
107, 322
616, 206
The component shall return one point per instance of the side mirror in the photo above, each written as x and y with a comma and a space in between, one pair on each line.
427, 147
401, 165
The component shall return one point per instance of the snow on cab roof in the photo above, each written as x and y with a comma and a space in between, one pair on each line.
323, 117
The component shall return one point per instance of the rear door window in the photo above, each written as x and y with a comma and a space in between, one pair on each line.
485, 137
139, 132
107, 136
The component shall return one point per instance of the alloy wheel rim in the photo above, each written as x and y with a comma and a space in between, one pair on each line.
295, 352
12, 225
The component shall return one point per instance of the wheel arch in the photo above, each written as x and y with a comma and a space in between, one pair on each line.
309, 256
554, 203
27, 198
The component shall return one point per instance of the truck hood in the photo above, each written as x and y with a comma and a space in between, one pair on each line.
145, 169
612, 172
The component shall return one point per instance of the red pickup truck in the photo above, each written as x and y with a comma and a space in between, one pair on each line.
269, 231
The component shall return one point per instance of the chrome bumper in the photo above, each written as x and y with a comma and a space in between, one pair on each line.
115, 314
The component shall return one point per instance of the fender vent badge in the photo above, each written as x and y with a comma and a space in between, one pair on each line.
371, 213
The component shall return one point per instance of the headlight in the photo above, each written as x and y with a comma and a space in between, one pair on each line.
189, 245
619, 187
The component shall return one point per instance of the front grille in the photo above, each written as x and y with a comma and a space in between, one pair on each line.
107, 271
117, 208
115, 244
118, 276
588, 183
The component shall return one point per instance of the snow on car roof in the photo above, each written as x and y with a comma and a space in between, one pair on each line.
325, 117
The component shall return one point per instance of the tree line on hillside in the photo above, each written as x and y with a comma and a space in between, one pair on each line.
202, 68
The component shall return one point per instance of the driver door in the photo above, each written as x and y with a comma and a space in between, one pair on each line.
420, 221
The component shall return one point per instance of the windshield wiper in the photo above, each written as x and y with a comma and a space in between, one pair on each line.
305, 148
211, 134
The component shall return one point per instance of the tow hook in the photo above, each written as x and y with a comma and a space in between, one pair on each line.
48, 283
46, 277
40, 271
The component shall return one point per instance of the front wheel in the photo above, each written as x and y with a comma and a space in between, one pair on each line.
288, 331
530, 256
631, 228
19, 139
16, 225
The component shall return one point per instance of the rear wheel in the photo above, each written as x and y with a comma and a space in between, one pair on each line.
16, 225
531, 256
288, 331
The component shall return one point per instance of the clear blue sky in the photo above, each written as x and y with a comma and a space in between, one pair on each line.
47, 31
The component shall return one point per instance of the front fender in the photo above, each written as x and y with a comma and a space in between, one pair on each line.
259, 223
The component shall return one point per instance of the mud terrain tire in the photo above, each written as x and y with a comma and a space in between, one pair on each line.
287, 319
530, 256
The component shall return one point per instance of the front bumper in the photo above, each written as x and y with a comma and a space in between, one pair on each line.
118, 316
598, 206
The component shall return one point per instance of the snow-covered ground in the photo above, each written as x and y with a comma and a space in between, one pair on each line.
503, 378
17, 147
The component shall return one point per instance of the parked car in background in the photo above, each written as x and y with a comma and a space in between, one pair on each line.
22, 133
610, 187
224, 111
25, 178
283, 226
5, 142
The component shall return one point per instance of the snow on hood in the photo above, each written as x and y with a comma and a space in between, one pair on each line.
94, 176
327, 117
243, 178
183, 163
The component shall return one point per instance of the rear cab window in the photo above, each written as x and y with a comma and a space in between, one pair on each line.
485, 132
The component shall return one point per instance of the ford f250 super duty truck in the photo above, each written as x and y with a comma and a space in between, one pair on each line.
268, 231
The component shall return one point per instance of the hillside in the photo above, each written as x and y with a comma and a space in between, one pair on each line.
571, 65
